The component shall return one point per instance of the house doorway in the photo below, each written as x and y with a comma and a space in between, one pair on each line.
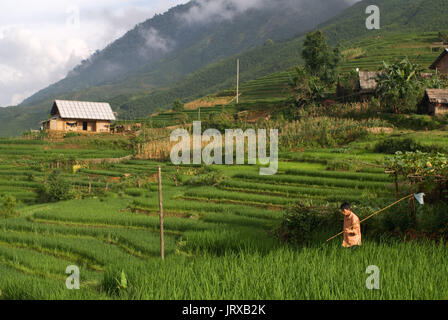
84, 126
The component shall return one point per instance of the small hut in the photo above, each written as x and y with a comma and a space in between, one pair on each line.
363, 85
435, 102
79, 116
441, 64
367, 82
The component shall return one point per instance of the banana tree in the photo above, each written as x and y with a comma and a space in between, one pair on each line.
399, 86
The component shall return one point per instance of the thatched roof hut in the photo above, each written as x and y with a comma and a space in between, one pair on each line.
361, 85
367, 81
435, 102
441, 63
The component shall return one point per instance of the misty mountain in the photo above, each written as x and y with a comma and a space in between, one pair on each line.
188, 37
188, 70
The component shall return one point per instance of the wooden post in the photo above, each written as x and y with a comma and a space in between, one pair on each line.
162, 241
237, 81
413, 206
90, 187
396, 185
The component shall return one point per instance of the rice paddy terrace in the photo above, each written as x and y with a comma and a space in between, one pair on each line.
218, 235
219, 241
272, 90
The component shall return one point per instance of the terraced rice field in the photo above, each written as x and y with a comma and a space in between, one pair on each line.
218, 239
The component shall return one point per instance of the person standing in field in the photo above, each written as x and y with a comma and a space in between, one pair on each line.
352, 227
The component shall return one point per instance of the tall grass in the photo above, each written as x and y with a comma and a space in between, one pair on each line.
321, 272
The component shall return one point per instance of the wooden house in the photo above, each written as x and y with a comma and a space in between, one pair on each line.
367, 82
435, 102
79, 116
441, 64
363, 86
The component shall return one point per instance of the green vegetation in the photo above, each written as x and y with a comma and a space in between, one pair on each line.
231, 233
215, 218
320, 61
8, 206
398, 87
178, 106
56, 188
135, 96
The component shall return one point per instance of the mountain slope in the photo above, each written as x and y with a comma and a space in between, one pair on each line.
133, 96
169, 46
397, 15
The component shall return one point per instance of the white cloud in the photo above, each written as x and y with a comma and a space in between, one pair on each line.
40, 41
153, 41
29, 61
207, 10
212, 10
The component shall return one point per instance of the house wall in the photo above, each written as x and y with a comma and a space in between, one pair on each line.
56, 125
441, 109
442, 66
103, 126
92, 126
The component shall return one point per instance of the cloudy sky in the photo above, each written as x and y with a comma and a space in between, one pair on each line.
40, 41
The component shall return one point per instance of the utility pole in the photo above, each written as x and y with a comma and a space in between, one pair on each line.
237, 81
162, 241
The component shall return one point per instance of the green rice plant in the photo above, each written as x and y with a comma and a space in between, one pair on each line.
102, 172
17, 285
95, 212
137, 242
316, 181
213, 194
222, 242
135, 192
341, 175
315, 273
329, 194
35, 263
193, 207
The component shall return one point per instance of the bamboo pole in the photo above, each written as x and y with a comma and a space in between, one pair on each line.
376, 213
396, 186
162, 241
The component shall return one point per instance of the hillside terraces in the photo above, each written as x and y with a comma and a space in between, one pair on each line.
118, 229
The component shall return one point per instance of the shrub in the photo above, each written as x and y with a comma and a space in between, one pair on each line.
134, 192
399, 87
8, 206
434, 218
397, 219
72, 135
210, 179
415, 121
178, 105
321, 131
56, 188
393, 145
338, 164
301, 222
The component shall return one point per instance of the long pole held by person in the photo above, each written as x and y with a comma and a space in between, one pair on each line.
418, 197
162, 241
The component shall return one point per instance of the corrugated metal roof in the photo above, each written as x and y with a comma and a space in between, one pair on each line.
438, 95
83, 110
